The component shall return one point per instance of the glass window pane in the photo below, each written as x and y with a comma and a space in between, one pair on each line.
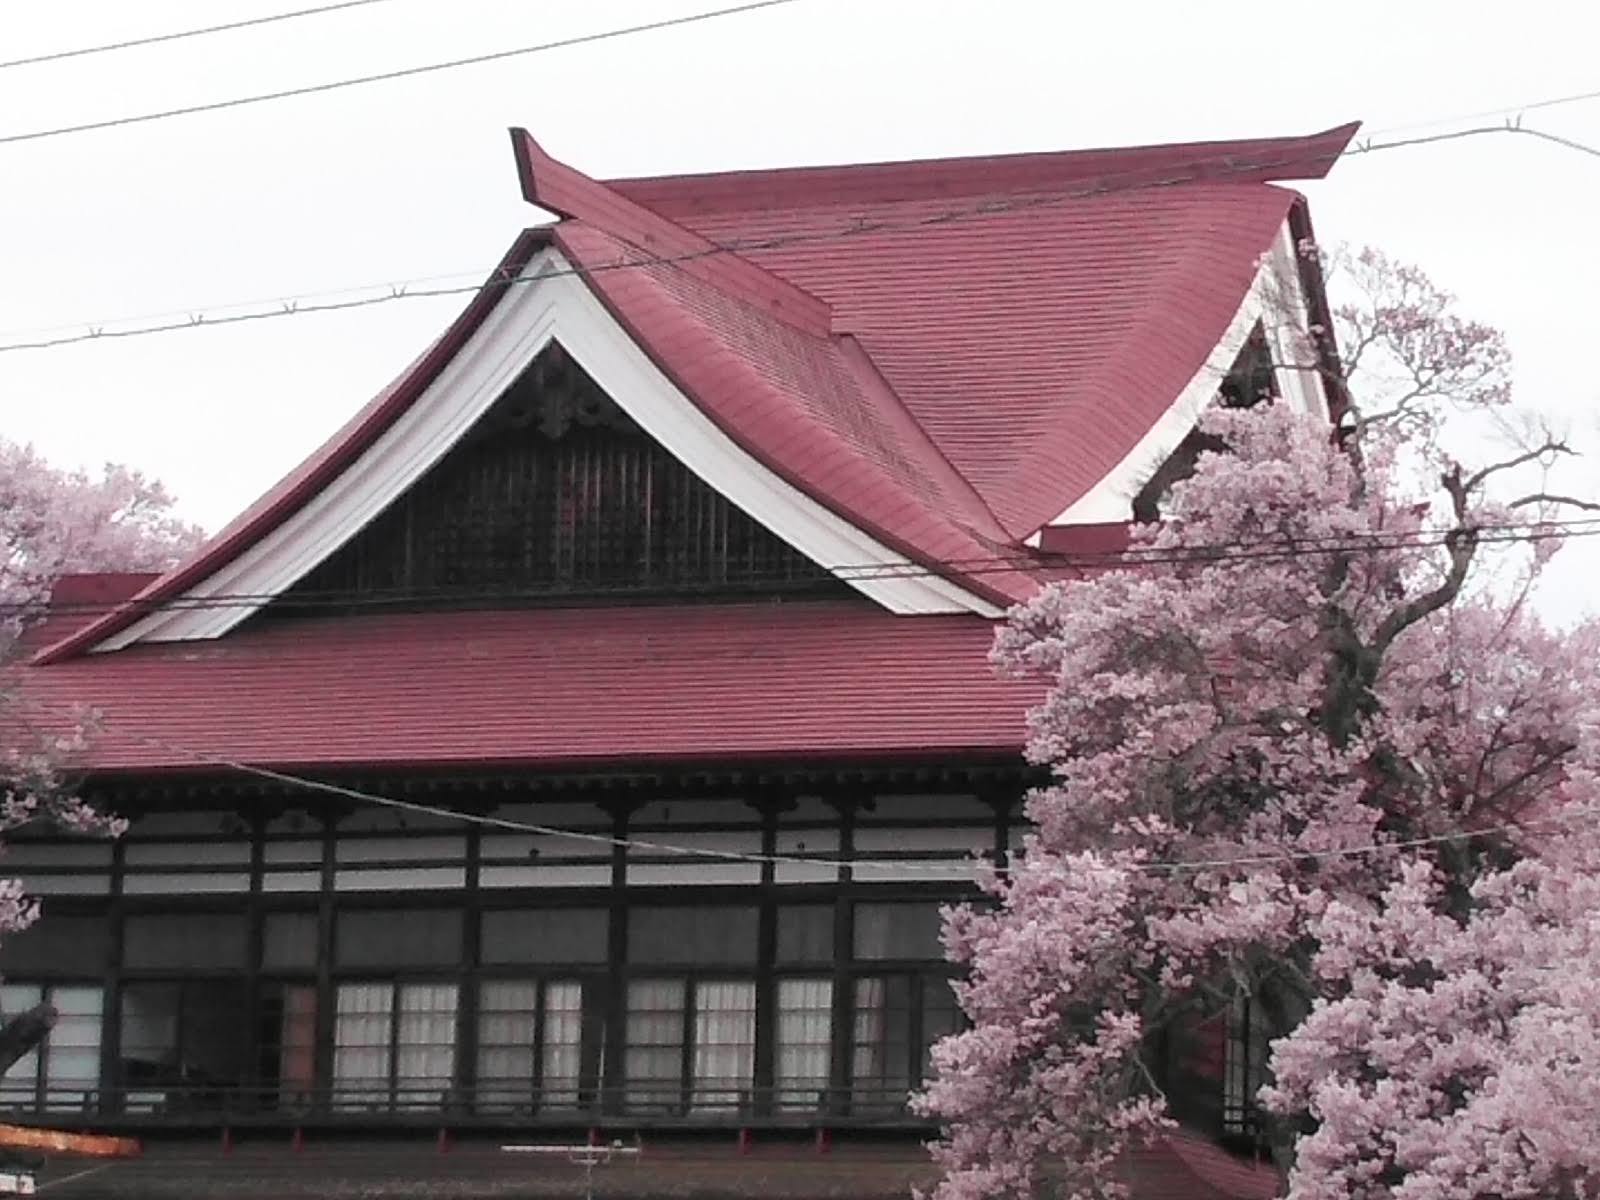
685, 934
908, 931
289, 941
941, 1016
561, 1062
211, 1052
72, 1057
167, 941
361, 1053
653, 1061
544, 936
805, 933
289, 1033
804, 1042
881, 1058
19, 1086
399, 938
724, 1045
507, 1012
71, 945
425, 1056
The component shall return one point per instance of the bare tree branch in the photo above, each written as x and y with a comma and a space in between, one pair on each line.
1554, 498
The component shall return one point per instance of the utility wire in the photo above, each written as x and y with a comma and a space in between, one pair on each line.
181, 34
1200, 169
1041, 562
1508, 110
1032, 562
505, 824
385, 76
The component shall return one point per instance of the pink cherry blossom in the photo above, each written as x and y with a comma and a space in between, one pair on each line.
1305, 749
55, 522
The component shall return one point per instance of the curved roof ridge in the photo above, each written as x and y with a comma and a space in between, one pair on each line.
571, 194
1251, 160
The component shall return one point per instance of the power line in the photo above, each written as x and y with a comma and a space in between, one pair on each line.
1036, 562
180, 35
614, 841
386, 76
1199, 169
1507, 110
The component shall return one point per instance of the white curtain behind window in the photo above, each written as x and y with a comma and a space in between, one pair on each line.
563, 1043
425, 1060
361, 1056
653, 1061
805, 1041
724, 1044
507, 1010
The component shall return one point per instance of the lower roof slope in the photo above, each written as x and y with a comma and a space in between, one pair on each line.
546, 688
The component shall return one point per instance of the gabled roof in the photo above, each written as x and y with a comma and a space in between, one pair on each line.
943, 355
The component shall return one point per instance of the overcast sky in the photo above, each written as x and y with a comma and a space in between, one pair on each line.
414, 179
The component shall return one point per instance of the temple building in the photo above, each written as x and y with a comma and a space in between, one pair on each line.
587, 735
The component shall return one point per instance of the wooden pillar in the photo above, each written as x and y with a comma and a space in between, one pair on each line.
843, 952
770, 806
614, 1030
111, 1081
255, 933
326, 950
466, 1082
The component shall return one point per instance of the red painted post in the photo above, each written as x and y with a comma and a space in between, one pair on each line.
594, 1135
297, 1143
227, 1139
824, 1140
446, 1141
746, 1140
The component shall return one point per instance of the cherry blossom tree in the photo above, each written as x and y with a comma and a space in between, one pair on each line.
1312, 758
55, 522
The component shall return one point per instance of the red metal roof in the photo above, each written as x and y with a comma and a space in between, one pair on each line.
946, 353
548, 688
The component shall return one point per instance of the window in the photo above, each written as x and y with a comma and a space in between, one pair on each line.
897, 1018
544, 936
58, 945
653, 1062
804, 1044
898, 931
414, 937
289, 941
724, 1045
1244, 1069
690, 1048
805, 933
64, 1069
179, 941
530, 1044
394, 1044
181, 1048
288, 1067
695, 935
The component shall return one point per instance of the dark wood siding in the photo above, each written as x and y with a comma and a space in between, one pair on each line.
556, 492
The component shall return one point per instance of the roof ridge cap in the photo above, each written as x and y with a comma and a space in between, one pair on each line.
862, 365
572, 195
1245, 161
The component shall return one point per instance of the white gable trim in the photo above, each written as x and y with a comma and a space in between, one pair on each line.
554, 306
1275, 299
